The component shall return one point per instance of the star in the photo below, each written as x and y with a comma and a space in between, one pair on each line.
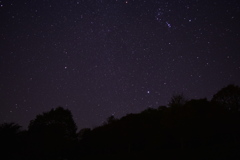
168, 24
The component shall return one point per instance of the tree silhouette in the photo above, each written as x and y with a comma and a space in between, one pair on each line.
111, 119
228, 97
57, 120
53, 132
177, 100
10, 140
9, 129
198, 127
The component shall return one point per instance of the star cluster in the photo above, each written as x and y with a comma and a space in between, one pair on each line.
100, 58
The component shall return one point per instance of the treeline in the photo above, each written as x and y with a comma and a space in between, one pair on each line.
196, 129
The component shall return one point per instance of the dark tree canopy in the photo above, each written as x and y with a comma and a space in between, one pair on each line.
199, 127
10, 143
9, 128
54, 132
228, 97
58, 121
111, 119
177, 100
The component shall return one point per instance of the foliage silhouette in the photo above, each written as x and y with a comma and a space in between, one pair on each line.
177, 100
10, 139
53, 133
198, 127
228, 97
195, 129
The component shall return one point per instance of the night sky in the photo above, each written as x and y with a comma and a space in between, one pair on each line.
99, 58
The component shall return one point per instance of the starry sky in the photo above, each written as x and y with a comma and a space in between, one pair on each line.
99, 58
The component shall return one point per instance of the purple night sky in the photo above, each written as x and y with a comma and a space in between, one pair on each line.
99, 58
